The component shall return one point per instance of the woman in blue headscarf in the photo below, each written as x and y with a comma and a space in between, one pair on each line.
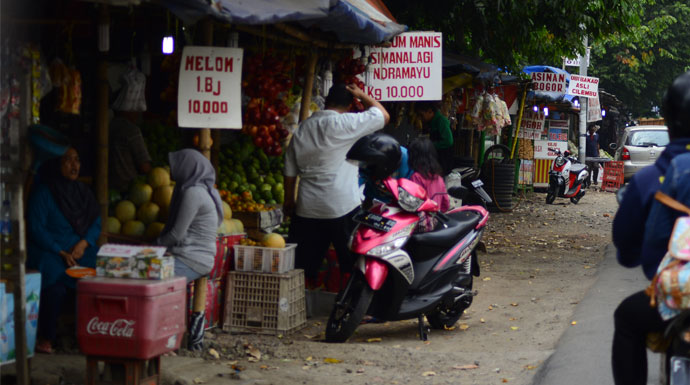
64, 224
196, 212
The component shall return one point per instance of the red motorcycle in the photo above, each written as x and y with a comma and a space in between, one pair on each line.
567, 179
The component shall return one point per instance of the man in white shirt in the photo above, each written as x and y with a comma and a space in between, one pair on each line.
328, 190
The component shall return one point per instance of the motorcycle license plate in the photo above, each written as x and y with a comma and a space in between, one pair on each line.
477, 183
374, 221
679, 371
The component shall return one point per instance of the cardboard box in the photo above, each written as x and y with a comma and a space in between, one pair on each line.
130, 261
260, 219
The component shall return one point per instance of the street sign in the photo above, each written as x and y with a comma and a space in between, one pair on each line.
548, 82
410, 69
583, 86
209, 88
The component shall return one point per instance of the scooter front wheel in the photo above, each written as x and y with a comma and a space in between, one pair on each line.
349, 309
550, 197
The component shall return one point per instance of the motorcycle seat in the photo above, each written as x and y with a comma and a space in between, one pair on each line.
450, 229
577, 167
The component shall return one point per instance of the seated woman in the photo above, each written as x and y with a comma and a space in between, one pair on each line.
196, 212
63, 226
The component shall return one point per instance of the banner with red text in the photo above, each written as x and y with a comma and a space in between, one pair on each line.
409, 69
209, 91
548, 82
583, 86
532, 126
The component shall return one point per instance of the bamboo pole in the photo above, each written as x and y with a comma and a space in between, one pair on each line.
519, 122
103, 128
308, 85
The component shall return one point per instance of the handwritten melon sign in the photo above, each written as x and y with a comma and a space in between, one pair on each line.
209, 92
410, 69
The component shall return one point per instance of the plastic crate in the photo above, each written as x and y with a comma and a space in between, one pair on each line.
265, 259
265, 303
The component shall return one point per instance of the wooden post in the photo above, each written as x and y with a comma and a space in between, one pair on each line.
205, 147
308, 85
103, 126
519, 122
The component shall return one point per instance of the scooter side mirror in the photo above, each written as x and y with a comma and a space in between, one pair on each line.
458, 192
613, 146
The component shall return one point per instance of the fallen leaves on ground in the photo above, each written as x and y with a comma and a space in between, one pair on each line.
429, 374
375, 339
332, 360
214, 353
198, 381
466, 367
514, 328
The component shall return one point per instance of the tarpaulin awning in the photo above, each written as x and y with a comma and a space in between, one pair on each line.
546, 95
352, 21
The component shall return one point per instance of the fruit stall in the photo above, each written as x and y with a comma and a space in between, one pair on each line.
77, 56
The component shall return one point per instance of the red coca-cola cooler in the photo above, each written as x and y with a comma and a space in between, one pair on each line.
132, 318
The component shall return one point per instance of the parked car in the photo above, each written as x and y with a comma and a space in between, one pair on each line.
640, 146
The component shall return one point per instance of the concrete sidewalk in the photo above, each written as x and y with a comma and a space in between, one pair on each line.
583, 353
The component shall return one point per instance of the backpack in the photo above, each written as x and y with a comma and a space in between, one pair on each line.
669, 290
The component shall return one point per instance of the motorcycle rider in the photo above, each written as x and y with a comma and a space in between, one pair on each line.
634, 318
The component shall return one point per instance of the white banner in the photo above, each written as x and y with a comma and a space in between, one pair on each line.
583, 86
532, 126
410, 69
548, 82
593, 110
541, 148
209, 91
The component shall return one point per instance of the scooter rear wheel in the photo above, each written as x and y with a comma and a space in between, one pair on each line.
447, 317
349, 309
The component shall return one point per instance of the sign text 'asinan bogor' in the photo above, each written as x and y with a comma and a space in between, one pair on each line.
584, 86
548, 82
209, 88
408, 69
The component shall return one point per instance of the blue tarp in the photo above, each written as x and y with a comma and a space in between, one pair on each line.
352, 21
544, 95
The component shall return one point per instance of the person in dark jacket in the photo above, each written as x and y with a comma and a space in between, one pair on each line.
634, 317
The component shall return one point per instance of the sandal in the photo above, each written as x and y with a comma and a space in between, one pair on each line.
44, 347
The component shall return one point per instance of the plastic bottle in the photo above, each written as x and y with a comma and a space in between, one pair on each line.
6, 227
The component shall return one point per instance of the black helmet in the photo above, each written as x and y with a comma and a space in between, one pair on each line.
378, 155
675, 107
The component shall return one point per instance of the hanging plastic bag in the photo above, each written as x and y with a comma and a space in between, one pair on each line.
132, 95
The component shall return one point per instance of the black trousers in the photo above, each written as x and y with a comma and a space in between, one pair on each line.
54, 299
633, 319
593, 171
314, 236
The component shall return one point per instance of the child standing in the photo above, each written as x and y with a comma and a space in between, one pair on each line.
423, 162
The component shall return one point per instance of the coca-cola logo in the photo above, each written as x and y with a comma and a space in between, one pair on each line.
118, 328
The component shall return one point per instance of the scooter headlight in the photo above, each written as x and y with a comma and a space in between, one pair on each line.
393, 242
560, 161
408, 202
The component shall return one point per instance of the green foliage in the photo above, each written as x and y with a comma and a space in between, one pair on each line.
638, 64
513, 33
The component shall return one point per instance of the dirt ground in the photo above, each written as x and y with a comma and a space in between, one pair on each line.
540, 260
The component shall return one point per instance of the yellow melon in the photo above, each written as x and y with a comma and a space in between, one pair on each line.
236, 226
153, 230
113, 225
140, 193
125, 211
134, 228
273, 240
227, 211
162, 196
158, 177
148, 212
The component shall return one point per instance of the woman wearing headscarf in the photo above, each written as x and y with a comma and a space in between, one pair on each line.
63, 226
196, 212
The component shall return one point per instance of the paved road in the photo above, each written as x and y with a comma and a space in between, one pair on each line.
583, 354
